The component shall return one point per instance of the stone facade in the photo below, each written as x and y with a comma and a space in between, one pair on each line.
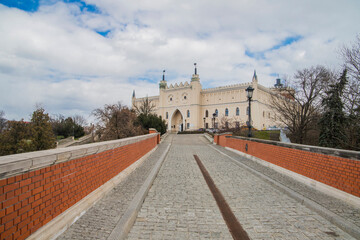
187, 106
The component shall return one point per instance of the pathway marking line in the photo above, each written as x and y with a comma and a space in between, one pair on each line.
235, 228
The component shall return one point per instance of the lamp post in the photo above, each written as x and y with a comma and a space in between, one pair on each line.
204, 122
250, 92
214, 115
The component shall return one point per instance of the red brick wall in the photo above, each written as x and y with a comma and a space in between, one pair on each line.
221, 139
340, 173
216, 139
152, 130
30, 200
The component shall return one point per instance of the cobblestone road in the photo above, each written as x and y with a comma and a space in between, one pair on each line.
99, 221
179, 205
333, 204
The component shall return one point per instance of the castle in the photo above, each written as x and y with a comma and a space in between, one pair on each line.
187, 106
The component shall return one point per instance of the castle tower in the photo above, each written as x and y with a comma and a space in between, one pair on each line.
196, 98
163, 83
195, 76
162, 95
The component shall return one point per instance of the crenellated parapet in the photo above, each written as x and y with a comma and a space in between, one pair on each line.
178, 86
229, 87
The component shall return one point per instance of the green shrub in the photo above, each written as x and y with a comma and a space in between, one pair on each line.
190, 132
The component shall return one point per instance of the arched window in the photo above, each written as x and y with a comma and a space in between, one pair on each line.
216, 112
188, 113
206, 113
237, 111
167, 115
226, 112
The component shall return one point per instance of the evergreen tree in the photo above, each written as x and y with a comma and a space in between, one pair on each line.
42, 135
67, 127
333, 121
152, 121
16, 138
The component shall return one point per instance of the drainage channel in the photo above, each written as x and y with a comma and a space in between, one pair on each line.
235, 228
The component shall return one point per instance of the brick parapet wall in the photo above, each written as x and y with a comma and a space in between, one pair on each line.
44, 184
153, 130
337, 168
221, 138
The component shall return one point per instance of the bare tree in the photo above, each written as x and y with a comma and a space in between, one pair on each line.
298, 106
351, 97
351, 56
146, 107
79, 120
227, 123
116, 121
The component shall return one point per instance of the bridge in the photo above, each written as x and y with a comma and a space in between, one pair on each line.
181, 187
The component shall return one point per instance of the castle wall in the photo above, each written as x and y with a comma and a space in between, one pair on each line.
191, 97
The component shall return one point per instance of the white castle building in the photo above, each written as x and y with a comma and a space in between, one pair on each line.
187, 106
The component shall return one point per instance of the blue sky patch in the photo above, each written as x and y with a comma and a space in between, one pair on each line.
104, 33
261, 54
26, 5
256, 55
287, 41
33, 5
84, 6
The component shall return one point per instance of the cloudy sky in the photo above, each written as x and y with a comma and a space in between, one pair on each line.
73, 56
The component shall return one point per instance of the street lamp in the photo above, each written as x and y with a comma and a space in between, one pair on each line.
250, 92
214, 115
204, 122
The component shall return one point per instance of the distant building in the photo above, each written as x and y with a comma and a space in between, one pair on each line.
187, 106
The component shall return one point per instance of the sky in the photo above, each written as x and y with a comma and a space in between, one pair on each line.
73, 56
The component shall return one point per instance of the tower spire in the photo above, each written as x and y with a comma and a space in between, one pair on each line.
255, 76
133, 93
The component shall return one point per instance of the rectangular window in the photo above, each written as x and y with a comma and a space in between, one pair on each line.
188, 125
207, 125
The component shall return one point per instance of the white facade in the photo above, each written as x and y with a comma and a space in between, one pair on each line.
186, 106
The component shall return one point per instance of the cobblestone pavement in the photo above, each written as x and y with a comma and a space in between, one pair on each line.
101, 219
179, 205
341, 208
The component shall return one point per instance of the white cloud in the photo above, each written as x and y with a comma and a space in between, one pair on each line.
56, 57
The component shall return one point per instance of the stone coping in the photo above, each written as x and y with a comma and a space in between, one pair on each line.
225, 133
15, 164
355, 155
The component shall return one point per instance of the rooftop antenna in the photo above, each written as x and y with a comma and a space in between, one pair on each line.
163, 75
195, 68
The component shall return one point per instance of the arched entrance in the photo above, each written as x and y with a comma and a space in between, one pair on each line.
176, 123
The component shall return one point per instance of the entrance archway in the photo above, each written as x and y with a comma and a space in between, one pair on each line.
177, 121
